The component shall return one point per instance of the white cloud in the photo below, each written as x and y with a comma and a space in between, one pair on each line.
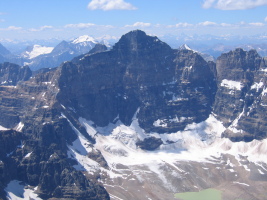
257, 24
46, 27
226, 25
208, 4
183, 24
265, 19
139, 24
42, 28
233, 4
11, 28
107, 26
110, 5
157, 25
207, 23
80, 25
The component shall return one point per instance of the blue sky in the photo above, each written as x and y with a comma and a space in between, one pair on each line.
63, 19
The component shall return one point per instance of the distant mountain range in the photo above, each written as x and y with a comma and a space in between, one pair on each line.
49, 55
38, 57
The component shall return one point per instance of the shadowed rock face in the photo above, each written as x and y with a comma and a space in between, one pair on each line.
241, 97
37, 152
11, 74
140, 72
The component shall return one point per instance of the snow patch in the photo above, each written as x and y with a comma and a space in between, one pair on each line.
16, 190
79, 150
233, 126
19, 127
88, 126
241, 183
257, 86
264, 92
177, 98
263, 70
28, 155
38, 50
84, 38
233, 85
160, 123
3, 128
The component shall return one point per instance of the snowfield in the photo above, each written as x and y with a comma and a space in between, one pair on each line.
38, 50
200, 144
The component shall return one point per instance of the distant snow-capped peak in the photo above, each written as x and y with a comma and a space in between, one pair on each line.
84, 38
185, 46
38, 50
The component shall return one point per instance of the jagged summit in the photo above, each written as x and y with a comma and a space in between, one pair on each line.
185, 47
139, 40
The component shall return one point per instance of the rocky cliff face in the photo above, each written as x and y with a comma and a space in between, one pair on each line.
37, 154
141, 94
169, 88
11, 74
240, 99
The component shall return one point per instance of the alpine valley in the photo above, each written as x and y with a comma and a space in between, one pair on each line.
138, 121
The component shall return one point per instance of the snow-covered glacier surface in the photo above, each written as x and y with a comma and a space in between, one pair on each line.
190, 160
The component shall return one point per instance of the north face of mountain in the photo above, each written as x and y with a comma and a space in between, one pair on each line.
169, 88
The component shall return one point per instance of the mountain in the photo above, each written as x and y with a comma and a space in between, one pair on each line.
207, 57
38, 57
64, 51
138, 117
242, 82
11, 74
7, 56
97, 49
3, 50
36, 50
